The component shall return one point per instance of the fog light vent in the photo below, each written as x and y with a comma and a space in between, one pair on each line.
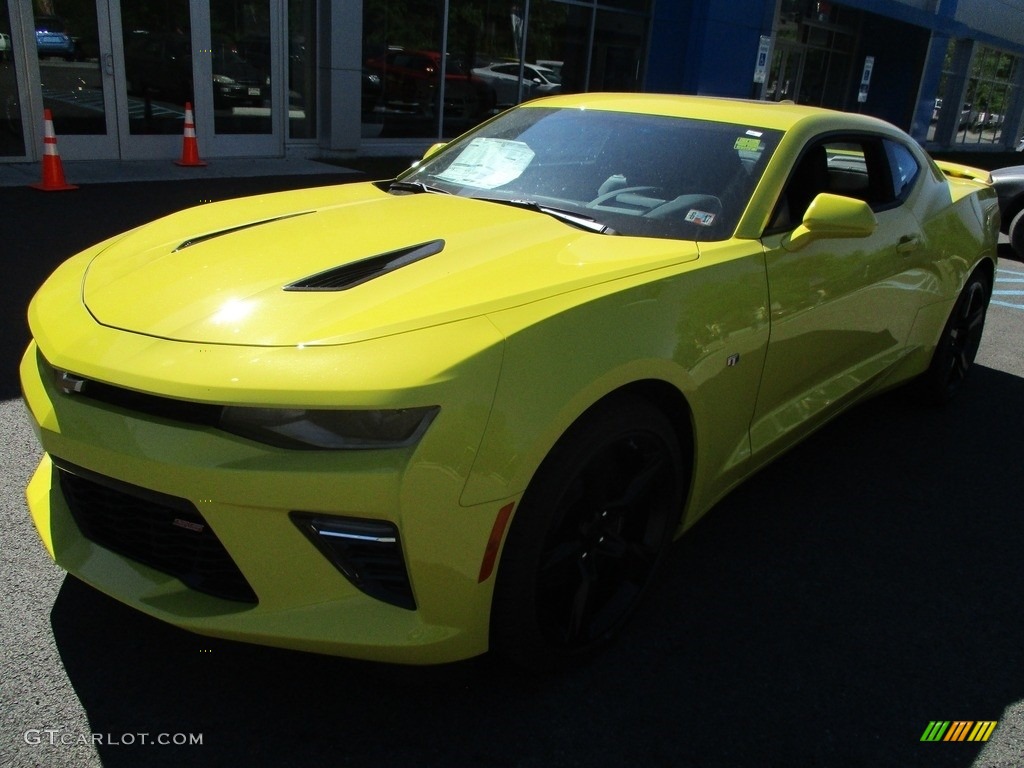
367, 552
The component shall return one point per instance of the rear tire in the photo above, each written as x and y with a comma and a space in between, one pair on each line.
588, 536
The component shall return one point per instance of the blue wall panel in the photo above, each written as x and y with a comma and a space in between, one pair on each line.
669, 33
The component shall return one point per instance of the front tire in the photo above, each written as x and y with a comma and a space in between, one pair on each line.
588, 536
960, 340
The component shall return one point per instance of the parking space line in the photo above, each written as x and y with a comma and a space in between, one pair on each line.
1005, 296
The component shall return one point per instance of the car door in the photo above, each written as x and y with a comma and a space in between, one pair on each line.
840, 312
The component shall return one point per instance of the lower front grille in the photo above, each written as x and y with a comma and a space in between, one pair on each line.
164, 532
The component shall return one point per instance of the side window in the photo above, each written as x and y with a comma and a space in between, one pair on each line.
904, 167
851, 166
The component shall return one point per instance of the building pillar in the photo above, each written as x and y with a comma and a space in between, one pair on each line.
340, 77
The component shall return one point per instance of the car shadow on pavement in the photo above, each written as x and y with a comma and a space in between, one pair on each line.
824, 613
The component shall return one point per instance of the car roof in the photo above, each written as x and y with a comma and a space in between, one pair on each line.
783, 116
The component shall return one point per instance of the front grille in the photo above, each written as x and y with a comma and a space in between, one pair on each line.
203, 414
164, 532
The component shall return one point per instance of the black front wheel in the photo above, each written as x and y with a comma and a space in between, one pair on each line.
588, 535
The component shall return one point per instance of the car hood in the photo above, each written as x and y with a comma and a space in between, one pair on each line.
338, 264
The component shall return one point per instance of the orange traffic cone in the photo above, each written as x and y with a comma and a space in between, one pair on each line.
53, 171
189, 147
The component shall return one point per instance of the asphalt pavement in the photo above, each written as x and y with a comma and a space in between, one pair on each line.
864, 585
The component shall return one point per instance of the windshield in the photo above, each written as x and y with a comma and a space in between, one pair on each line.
551, 76
642, 175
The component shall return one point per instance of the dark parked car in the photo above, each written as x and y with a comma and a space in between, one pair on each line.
52, 38
160, 66
1009, 184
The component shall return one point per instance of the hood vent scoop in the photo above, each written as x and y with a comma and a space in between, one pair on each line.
358, 272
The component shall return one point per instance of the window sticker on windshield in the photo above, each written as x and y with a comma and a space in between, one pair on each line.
488, 163
703, 218
747, 144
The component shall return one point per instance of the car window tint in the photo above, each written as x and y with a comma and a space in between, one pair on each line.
856, 167
904, 167
643, 175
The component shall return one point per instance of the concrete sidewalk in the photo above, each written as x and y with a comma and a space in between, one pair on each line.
110, 171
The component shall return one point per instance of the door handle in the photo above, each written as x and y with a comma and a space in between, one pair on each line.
108, 63
908, 244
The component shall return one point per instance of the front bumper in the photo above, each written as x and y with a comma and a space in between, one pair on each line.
249, 495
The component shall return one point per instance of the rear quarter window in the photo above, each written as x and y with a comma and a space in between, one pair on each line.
904, 166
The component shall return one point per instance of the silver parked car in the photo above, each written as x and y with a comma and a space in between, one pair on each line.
503, 78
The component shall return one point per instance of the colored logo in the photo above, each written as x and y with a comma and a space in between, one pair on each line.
959, 730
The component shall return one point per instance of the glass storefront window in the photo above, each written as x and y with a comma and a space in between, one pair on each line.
401, 72
559, 38
12, 131
499, 53
990, 90
618, 53
301, 69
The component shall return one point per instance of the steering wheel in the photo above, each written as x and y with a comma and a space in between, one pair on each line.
615, 193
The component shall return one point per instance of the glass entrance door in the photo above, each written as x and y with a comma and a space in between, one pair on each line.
76, 73
121, 91
784, 78
248, 99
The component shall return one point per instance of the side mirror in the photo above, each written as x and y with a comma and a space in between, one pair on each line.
433, 148
832, 216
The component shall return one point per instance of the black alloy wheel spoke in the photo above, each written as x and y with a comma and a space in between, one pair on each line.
562, 555
639, 487
580, 612
600, 550
965, 335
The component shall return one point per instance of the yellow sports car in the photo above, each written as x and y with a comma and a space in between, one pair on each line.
471, 407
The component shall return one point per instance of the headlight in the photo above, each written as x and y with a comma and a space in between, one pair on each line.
223, 80
329, 430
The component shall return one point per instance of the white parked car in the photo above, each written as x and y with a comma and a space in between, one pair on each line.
504, 79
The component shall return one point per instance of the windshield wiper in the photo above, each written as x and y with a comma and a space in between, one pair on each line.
575, 219
415, 187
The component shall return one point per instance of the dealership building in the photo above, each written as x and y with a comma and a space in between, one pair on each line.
338, 78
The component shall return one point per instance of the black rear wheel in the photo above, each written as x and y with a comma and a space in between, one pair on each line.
960, 340
588, 535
